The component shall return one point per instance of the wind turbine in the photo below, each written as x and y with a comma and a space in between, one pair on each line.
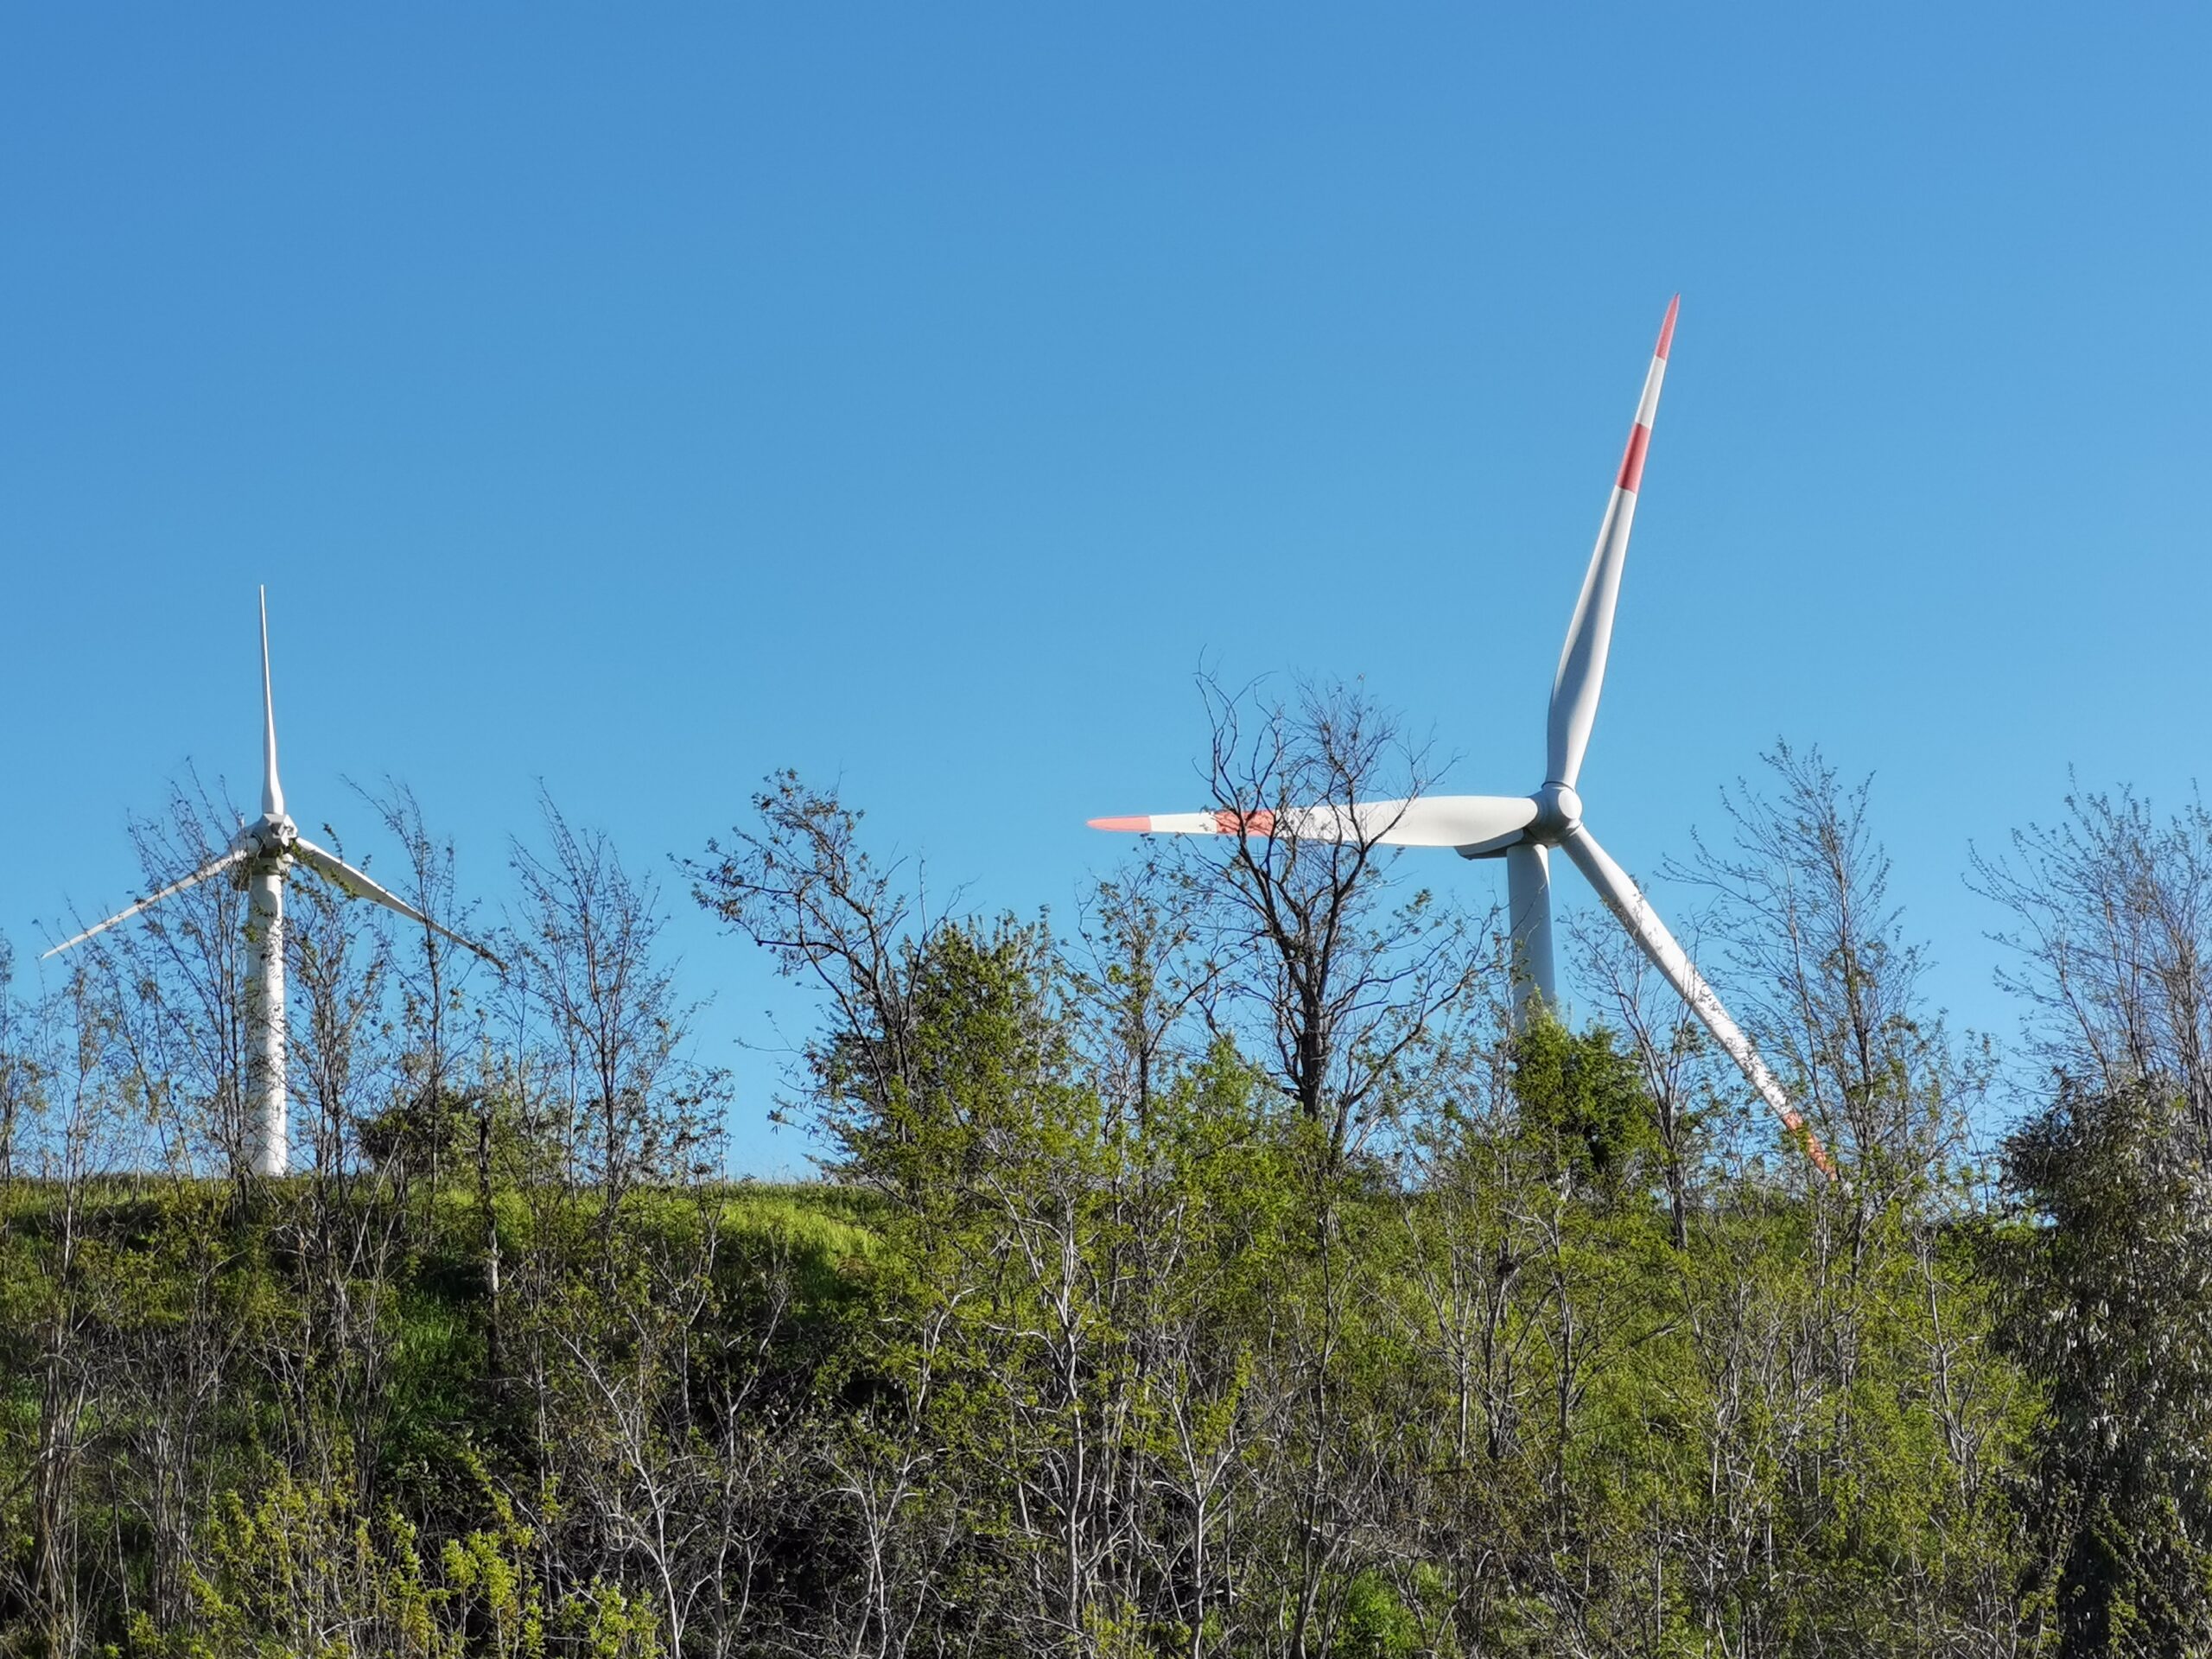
260, 858
1523, 829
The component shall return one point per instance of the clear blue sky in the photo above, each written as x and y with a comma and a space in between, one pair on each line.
640, 398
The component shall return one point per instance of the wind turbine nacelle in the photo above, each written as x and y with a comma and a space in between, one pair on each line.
270, 835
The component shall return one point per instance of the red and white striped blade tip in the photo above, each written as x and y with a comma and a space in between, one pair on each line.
1139, 826
1667, 328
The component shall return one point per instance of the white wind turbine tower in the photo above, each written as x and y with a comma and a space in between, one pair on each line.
1523, 829
260, 859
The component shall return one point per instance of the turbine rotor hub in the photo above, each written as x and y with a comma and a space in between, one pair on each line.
270, 835
1559, 809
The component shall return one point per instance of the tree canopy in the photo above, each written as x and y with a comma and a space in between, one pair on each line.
1230, 1273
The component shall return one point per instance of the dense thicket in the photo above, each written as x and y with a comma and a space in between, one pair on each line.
1224, 1275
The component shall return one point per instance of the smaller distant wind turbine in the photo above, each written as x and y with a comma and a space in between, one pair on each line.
259, 859
1522, 829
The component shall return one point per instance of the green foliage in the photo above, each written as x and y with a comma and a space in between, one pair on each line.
1376, 1623
1044, 1363
1101, 1340
2107, 1280
301, 1572
1582, 1104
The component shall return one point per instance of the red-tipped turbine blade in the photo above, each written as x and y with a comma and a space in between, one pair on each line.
1192, 823
1626, 900
1581, 674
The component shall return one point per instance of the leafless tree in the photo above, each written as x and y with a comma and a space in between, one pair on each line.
337, 970
175, 977
440, 1032
2112, 934
801, 887
1344, 974
1831, 984
589, 940
648, 1454
1669, 1046
18, 1066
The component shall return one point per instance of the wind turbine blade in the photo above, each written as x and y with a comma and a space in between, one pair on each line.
1581, 674
215, 867
1471, 823
1468, 823
1634, 911
272, 793
356, 884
